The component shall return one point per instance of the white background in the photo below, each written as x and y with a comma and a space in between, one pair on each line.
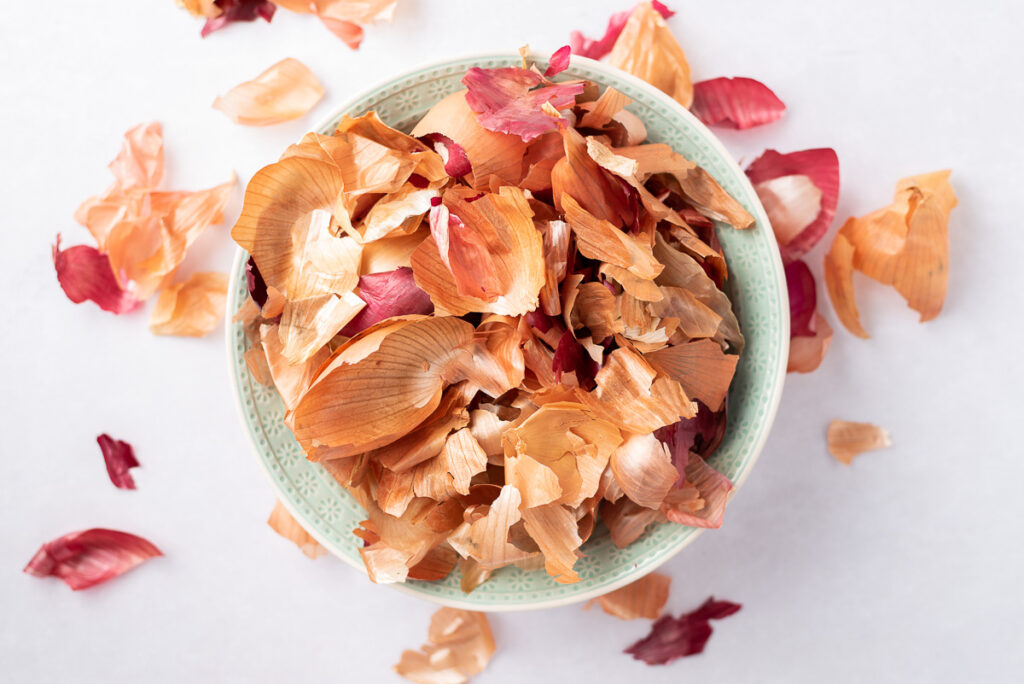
905, 567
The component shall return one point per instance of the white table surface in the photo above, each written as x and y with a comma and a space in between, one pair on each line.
906, 567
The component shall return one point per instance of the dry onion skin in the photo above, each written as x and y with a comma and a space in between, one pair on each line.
644, 598
905, 245
344, 18
282, 522
459, 645
191, 308
142, 234
119, 457
499, 330
847, 440
90, 557
285, 91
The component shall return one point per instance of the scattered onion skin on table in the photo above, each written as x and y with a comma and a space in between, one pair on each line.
285, 91
90, 557
496, 428
119, 459
917, 222
344, 18
672, 638
85, 274
905, 245
644, 598
847, 440
143, 235
192, 308
800, 192
739, 103
282, 522
459, 645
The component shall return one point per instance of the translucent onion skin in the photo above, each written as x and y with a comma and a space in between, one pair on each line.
84, 559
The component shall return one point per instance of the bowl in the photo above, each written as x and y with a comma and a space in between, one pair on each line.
757, 288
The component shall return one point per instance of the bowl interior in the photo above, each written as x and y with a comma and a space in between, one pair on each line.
757, 288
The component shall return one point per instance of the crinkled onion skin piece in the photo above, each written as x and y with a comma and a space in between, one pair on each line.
460, 644
282, 522
699, 188
792, 203
846, 440
596, 49
803, 299
905, 245
232, 11
735, 102
387, 294
85, 559
350, 33
85, 274
643, 469
704, 482
701, 367
192, 308
571, 440
681, 270
291, 380
145, 249
644, 598
119, 458
600, 240
511, 100
626, 520
632, 396
559, 61
839, 283
373, 402
807, 353
553, 528
502, 224
647, 49
145, 232
490, 153
821, 166
265, 227
603, 110
672, 638
285, 91
140, 163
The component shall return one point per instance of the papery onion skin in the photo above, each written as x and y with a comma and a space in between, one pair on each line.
559, 61
238, 10
84, 559
671, 638
803, 299
84, 273
736, 102
510, 100
598, 48
119, 458
387, 294
821, 165
644, 598
286, 90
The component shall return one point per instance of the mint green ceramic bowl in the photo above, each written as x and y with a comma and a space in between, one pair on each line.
758, 292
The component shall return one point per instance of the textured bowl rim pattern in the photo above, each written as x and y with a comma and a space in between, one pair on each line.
757, 287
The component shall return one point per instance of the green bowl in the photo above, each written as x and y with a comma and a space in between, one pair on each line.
758, 291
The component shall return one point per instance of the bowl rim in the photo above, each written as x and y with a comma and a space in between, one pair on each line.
772, 407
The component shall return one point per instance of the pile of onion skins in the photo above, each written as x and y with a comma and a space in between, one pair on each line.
499, 329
